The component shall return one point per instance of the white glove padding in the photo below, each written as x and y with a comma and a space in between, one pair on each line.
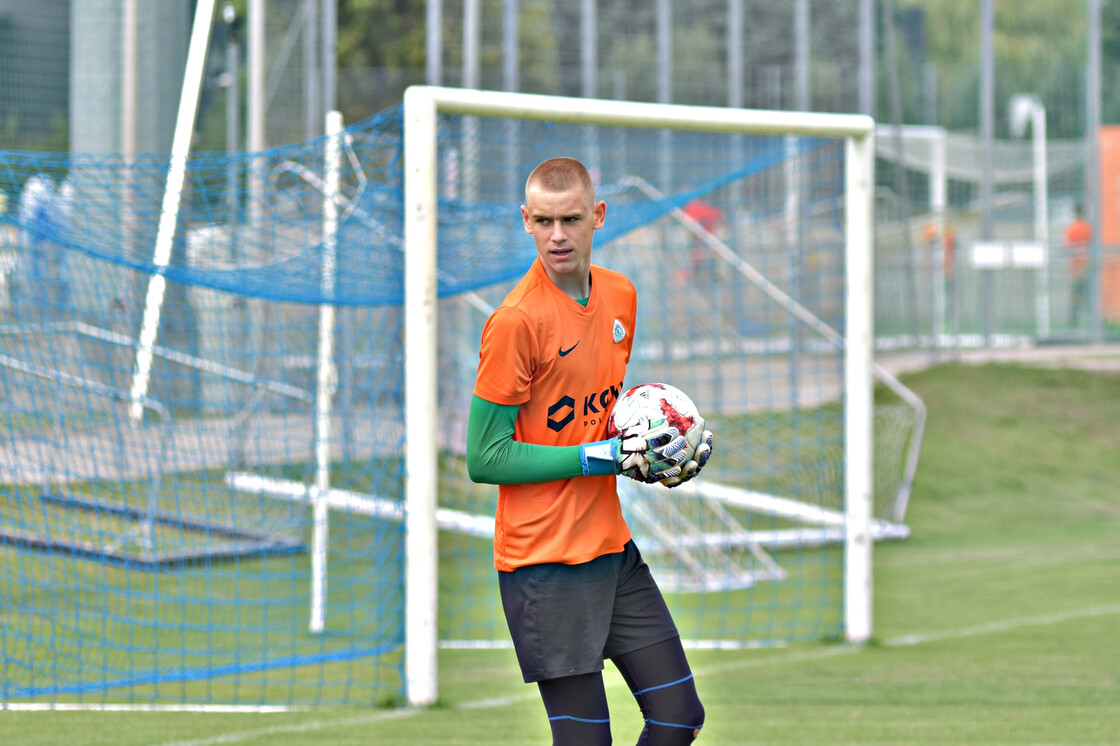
692, 467
649, 455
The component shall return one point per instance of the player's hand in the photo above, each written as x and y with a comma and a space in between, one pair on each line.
649, 455
692, 467
643, 453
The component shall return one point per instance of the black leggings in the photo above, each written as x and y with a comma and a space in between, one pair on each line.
661, 682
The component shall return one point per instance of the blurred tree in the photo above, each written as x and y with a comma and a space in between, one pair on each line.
539, 53
1110, 31
1110, 52
381, 33
1039, 48
1040, 29
700, 75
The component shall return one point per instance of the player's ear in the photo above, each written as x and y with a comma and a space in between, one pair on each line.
525, 219
600, 214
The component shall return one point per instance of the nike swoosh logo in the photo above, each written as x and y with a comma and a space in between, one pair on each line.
564, 352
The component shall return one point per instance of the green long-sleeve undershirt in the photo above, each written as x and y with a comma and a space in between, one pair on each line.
494, 457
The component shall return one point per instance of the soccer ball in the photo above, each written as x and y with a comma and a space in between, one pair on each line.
646, 404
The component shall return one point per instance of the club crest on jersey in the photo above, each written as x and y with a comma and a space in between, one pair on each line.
619, 331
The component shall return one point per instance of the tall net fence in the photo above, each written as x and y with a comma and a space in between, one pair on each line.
161, 542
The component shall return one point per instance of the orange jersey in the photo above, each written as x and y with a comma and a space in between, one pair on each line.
564, 365
1079, 234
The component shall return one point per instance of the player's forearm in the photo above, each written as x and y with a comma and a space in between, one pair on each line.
494, 457
513, 462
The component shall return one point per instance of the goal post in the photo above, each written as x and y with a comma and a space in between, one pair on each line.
423, 105
858, 363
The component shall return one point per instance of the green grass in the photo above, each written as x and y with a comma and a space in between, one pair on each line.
995, 623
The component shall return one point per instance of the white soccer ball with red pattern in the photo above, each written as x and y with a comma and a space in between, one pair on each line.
646, 404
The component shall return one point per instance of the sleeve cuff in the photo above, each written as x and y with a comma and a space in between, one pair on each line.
597, 459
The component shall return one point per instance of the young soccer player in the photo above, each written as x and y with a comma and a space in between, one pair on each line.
574, 586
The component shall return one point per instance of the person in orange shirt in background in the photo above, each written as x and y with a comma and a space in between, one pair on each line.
948, 259
950, 253
950, 248
712, 220
951, 273
574, 587
1078, 236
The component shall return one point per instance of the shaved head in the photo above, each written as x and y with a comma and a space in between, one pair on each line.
560, 175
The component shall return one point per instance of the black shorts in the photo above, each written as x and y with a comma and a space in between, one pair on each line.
565, 620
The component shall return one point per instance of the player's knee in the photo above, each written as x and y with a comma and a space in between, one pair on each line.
686, 708
695, 717
698, 716
676, 722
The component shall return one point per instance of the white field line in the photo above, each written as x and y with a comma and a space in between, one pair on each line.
309, 726
123, 707
614, 682
1004, 626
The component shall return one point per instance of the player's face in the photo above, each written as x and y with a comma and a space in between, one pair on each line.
563, 226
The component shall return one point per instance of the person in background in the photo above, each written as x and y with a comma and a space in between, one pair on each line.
713, 221
1078, 236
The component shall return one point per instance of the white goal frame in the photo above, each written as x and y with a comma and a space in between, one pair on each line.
422, 106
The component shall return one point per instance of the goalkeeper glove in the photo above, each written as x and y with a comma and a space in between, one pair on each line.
644, 455
692, 467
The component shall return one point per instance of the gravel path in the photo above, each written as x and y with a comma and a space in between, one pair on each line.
1098, 357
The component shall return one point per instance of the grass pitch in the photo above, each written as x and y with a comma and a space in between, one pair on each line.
996, 623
